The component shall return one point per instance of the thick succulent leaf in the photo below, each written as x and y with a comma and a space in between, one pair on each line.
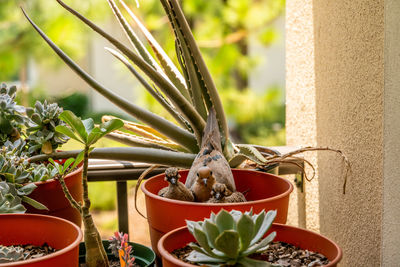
174, 132
211, 231
33, 203
260, 246
248, 262
173, 94
201, 238
75, 123
160, 99
138, 154
133, 38
67, 164
266, 224
174, 12
245, 228
89, 125
228, 243
139, 129
138, 141
224, 221
199, 257
191, 225
170, 69
26, 189
68, 132
247, 152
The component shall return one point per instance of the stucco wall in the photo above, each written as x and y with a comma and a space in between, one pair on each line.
343, 91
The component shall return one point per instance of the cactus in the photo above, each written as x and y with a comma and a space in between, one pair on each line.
11, 115
120, 249
228, 238
41, 128
11, 254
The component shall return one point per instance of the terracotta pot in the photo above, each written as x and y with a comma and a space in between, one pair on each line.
50, 194
144, 256
304, 239
38, 229
266, 191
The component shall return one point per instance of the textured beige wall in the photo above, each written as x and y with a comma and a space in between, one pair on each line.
391, 171
343, 91
300, 100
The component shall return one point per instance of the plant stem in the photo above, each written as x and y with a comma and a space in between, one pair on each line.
95, 254
68, 195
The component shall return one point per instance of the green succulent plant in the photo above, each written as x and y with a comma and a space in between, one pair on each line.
228, 238
11, 115
11, 254
42, 137
10, 202
187, 92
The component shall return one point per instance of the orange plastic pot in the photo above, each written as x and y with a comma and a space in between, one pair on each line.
304, 239
50, 194
266, 191
37, 229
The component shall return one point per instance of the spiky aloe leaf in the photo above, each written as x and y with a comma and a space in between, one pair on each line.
138, 141
169, 129
247, 152
180, 24
170, 69
173, 94
160, 99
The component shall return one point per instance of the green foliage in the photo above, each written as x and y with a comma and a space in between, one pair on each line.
11, 115
19, 43
84, 131
10, 202
41, 128
230, 237
11, 254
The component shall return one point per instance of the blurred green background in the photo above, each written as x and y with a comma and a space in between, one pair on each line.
223, 28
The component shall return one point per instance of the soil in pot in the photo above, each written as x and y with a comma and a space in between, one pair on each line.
28, 251
280, 253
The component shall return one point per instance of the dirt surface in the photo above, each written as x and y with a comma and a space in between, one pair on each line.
279, 253
113, 263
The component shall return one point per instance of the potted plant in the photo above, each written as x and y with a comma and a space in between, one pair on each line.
86, 133
263, 190
25, 132
45, 233
243, 239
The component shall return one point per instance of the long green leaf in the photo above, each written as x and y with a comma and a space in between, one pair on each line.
167, 106
169, 67
133, 38
172, 131
138, 154
33, 203
185, 107
174, 9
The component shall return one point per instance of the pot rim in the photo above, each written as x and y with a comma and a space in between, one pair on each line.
75, 172
187, 203
68, 248
164, 253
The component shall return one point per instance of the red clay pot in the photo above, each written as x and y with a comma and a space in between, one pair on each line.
267, 192
50, 194
302, 238
37, 229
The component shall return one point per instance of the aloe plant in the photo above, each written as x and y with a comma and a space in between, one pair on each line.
187, 95
228, 238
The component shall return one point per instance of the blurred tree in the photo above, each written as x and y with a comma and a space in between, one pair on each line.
19, 43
